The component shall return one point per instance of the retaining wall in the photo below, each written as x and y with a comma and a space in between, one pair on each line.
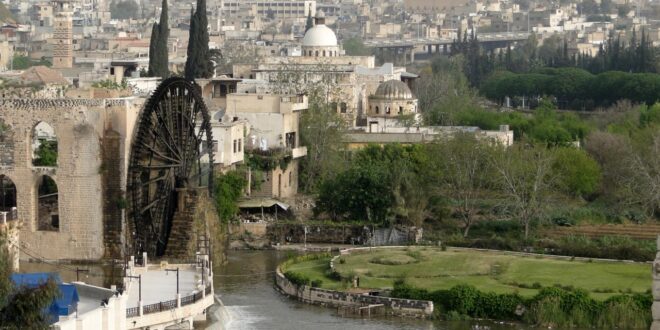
323, 297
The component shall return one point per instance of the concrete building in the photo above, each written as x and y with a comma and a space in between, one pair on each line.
276, 10
273, 137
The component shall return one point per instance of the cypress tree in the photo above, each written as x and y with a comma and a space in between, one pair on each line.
198, 63
158, 52
153, 57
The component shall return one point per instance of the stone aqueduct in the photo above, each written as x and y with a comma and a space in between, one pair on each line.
93, 145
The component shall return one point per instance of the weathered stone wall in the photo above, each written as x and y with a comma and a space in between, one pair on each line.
317, 296
295, 233
80, 126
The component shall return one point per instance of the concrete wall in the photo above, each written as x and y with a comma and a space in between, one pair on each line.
316, 296
79, 126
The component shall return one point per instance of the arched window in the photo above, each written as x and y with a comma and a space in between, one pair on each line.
400, 110
7, 194
343, 107
44, 145
317, 53
324, 53
48, 214
7, 144
387, 110
377, 110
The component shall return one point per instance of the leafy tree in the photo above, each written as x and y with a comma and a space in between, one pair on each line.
198, 62
228, 189
21, 62
158, 51
321, 130
578, 173
465, 173
22, 307
355, 47
524, 177
124, 9
357, 193
46, 154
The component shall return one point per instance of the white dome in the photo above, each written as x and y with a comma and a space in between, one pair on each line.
320, 36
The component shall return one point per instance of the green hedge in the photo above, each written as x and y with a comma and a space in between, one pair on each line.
551, 306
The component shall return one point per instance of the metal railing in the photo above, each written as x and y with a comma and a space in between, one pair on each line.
132, 312
167, 305
159, 307
187, 300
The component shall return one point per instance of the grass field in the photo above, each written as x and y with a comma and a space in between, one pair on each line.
432, 268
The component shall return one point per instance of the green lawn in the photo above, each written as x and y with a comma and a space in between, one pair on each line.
432, 268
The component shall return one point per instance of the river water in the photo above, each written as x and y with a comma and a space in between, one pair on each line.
245, 287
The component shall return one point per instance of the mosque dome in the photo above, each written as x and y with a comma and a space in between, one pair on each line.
320, 36
393, 89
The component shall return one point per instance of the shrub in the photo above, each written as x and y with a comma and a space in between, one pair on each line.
551, 306
316, 283
297, 279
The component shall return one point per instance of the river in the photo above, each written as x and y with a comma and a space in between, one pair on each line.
245, 287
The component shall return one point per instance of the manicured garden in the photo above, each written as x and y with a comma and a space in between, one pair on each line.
432, 269
467, 283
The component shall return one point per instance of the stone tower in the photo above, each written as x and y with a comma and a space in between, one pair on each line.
62, 35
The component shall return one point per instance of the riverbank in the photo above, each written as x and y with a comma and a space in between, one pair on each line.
352, 302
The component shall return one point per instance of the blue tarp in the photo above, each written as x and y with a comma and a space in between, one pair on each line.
61, 306
34, 279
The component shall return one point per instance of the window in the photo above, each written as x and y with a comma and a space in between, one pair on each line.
290, 178
343, 107
290, 140
387, 110
235, 146
400, 110
377, 110
317, 53
214, 145
44, 142
48, 218
240, 144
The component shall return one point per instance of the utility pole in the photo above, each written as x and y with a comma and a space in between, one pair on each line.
177, 277
139, 277
78, 271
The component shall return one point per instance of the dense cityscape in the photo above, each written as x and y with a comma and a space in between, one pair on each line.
329, 164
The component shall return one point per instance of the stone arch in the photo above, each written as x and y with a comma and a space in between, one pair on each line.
6, 144
8, 194
44, 145
48, 213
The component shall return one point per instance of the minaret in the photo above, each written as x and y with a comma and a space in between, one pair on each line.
62, 34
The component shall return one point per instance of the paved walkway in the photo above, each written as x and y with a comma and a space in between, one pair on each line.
157, 286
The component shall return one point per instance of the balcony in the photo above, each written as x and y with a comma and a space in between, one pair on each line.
298, 152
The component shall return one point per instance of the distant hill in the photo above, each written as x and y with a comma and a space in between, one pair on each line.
5, 14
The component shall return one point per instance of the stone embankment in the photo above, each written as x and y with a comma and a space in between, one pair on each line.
338, 299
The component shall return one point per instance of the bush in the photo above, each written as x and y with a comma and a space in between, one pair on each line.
316, 283
551, 306
297, 279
